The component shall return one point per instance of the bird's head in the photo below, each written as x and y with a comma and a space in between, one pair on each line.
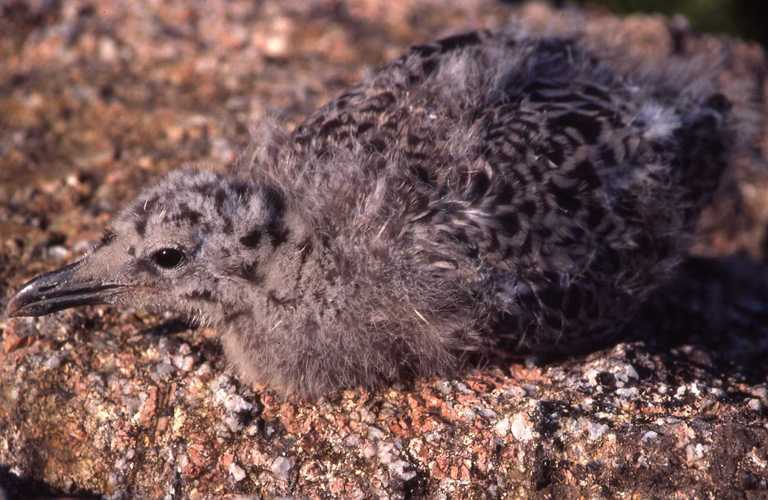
198, 243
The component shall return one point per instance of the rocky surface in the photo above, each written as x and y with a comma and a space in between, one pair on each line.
98, 98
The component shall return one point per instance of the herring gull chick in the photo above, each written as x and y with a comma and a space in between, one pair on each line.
486, 194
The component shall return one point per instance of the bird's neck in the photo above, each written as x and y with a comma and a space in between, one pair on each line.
297, 272
300, 280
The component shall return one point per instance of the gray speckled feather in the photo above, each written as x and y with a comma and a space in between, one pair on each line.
484, 194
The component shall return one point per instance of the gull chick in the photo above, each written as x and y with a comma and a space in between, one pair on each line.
486, 194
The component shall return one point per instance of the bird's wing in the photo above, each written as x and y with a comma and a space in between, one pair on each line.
582, 170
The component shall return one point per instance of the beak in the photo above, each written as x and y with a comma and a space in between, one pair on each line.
57, 290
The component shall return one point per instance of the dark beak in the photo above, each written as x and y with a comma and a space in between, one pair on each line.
57, 290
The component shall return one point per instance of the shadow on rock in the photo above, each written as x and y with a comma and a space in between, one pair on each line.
13, 487
713, 317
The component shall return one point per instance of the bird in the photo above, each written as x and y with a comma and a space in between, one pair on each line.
488, 194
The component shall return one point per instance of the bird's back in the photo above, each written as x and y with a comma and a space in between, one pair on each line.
558, 185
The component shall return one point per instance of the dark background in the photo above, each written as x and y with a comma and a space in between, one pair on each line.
743, 18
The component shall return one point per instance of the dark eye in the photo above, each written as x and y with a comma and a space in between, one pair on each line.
168, 258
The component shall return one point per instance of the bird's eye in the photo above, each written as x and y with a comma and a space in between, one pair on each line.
168, 258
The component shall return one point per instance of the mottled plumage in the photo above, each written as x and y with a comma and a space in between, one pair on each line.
485, 194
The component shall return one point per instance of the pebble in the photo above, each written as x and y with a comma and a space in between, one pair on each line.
502, 427
281, 468
400, 468
58, 252
695, 452
755, 405
54, 361
237, 472
184, 363
649, 436
522, 428
596, 430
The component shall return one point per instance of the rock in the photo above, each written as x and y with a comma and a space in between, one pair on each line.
281, 468
502, 427
522, 428
237, 472
113, 402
